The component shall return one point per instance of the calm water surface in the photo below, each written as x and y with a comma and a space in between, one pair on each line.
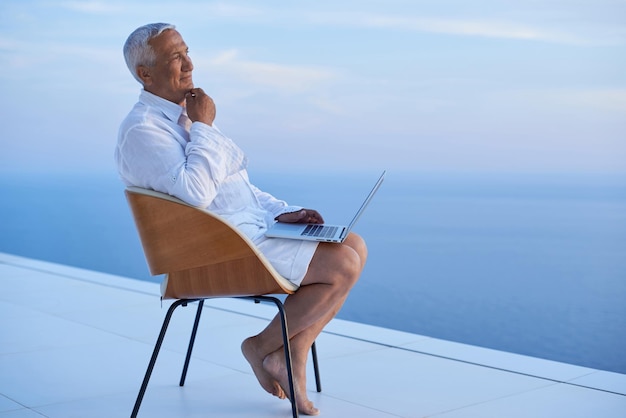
529, 264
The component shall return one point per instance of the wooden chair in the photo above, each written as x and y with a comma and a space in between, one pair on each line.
203, 257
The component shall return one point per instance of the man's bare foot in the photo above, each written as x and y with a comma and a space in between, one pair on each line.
267, 381
274, 364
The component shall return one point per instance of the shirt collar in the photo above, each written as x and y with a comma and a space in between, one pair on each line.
171, 110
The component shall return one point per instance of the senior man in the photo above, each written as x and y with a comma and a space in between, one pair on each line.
169, 143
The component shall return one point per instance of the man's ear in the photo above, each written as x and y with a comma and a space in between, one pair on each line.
144, 74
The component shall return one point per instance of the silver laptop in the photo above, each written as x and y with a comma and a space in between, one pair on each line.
321, 232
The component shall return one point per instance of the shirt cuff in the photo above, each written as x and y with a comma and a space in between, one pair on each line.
202, 127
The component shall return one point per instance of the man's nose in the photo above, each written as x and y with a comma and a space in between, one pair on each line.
187, 64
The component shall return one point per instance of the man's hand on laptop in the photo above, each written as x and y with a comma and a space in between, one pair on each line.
303, 216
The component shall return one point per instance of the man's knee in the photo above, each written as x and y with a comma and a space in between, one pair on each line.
338, 264
357, 243
349, 264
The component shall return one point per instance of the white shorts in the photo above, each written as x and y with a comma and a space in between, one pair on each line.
290, 258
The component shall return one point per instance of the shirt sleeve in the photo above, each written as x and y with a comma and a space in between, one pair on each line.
275, 206
154, 158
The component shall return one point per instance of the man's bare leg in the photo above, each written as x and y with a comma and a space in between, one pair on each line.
276, 366
301, 343
267, 381
333, 271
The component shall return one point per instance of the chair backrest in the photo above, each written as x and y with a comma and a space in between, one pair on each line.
201, 253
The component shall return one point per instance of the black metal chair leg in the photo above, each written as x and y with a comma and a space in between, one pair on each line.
287, 348
192, 340
318, 381
155, 353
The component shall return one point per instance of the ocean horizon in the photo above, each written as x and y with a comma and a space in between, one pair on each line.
530, 264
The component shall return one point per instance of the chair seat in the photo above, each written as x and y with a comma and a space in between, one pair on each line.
240, 277
201, 253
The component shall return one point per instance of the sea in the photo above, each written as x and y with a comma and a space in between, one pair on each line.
533, 264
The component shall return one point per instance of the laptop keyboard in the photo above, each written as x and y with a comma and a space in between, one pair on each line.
319, 231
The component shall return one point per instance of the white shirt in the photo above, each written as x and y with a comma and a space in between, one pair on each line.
201, 167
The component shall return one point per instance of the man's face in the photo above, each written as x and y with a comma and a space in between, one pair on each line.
170, 77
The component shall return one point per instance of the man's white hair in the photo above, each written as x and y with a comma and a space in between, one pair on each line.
137, 50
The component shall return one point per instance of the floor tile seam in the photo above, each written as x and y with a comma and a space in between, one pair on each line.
20, 405
495, 399
65, 315
71, 320
359, 404
82, 279
25, 408
473, 363
226, 370
195, 358
131, 393
352, 353
35, 411
49, 349
148, 341
75, 322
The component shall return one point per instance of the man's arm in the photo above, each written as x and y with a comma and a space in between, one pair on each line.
284, 212
150, 156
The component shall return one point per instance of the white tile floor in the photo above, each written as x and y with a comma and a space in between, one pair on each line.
75, 343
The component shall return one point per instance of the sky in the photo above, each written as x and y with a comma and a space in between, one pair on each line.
441, 85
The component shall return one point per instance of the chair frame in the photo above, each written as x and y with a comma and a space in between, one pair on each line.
192, 339
185, 269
